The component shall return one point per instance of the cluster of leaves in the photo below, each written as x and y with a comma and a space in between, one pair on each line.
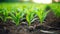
4, 14
41, 13
30, 16
16, 15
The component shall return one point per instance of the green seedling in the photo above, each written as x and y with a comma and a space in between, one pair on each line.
41, 13
30, 17
17, 16
4, 14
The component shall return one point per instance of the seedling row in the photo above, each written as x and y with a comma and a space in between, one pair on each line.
28, 12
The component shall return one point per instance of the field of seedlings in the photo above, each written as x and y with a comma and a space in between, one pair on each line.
29, 18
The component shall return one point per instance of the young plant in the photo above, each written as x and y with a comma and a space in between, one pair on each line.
17, 16
4, 14
41, 13
30, 17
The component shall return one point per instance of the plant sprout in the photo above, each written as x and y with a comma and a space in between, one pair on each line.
41, 13
5, 15
17, 16
29, 16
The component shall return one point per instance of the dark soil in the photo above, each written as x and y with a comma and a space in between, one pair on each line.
51, 25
